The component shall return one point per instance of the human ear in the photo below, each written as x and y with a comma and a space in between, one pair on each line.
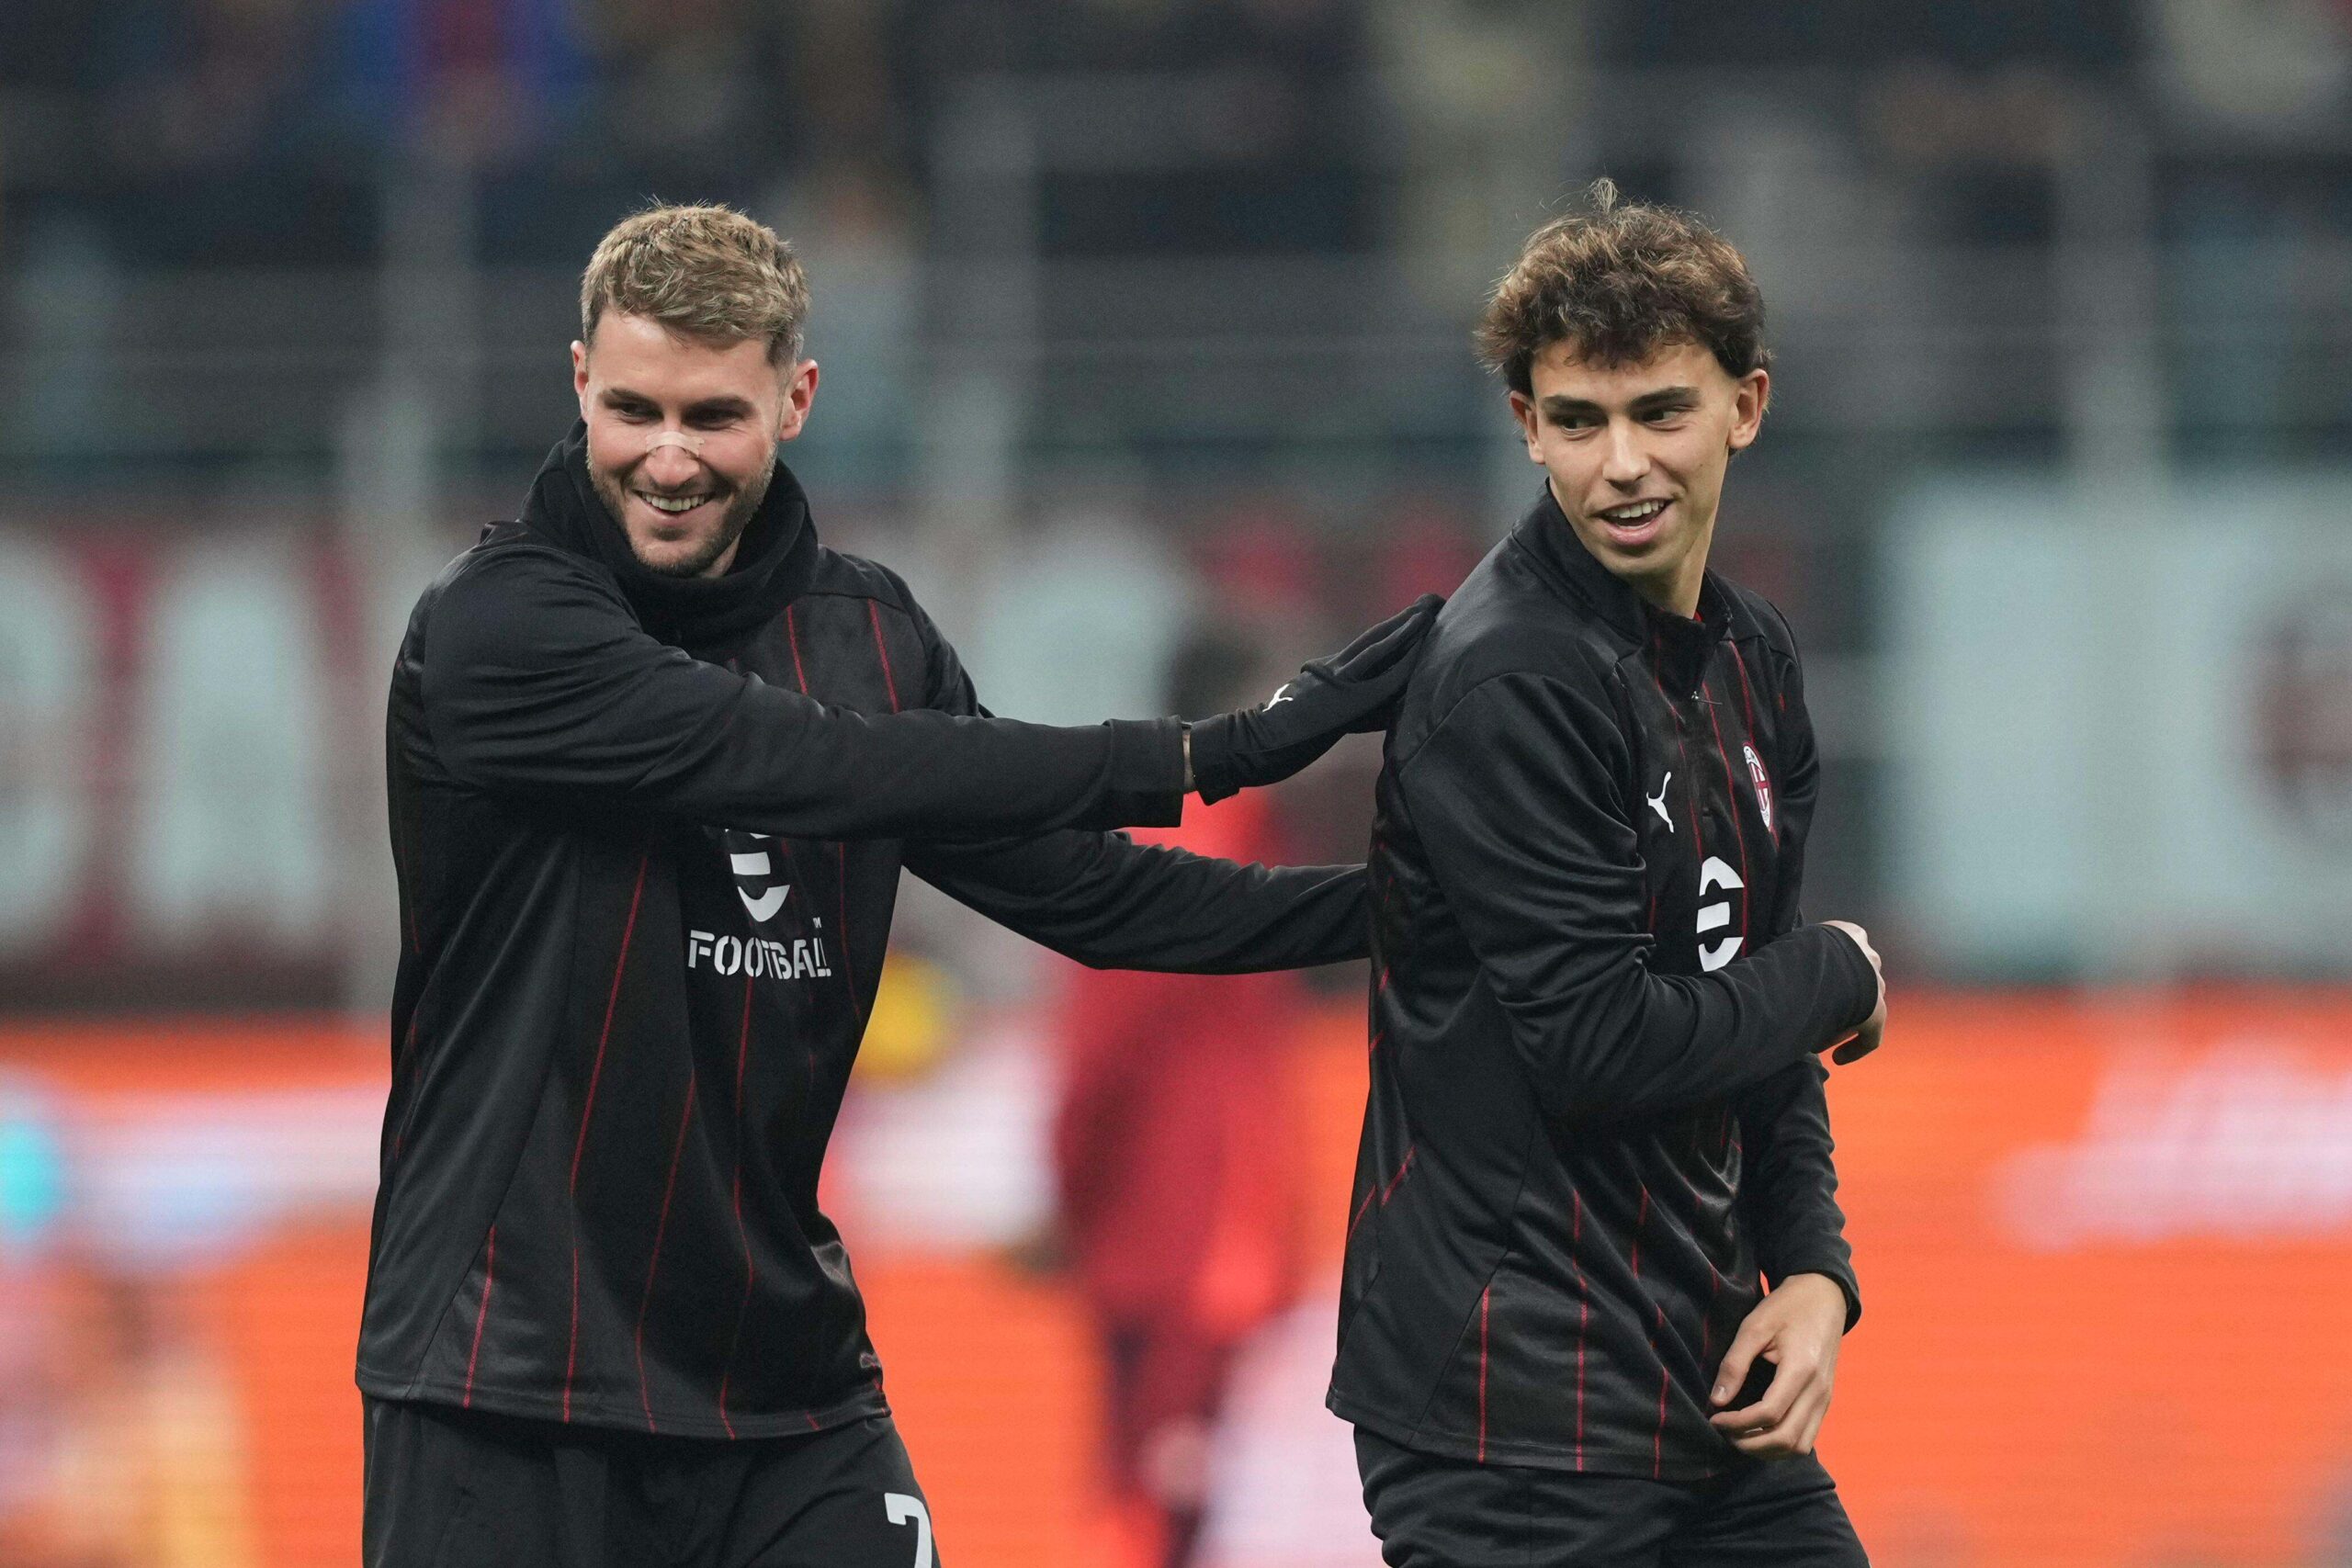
799, 392
1522, 408
1749, 398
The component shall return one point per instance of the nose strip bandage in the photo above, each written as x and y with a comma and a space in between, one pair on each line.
691, 446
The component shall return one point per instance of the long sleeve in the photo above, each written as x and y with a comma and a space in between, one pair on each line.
1110, 903
1515, 795
537, 680
1113, 904
1789, 1187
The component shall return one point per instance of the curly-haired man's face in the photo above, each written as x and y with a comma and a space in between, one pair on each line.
1636, 456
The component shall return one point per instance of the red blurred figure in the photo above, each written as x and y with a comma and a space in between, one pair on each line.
1176, 1155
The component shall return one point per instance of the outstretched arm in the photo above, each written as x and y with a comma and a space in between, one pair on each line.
535, 680
1110, 903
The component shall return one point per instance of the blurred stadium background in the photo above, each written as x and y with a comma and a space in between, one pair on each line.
1156, 310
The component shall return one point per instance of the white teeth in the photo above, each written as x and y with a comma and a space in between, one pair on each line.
673, 503
1636, 513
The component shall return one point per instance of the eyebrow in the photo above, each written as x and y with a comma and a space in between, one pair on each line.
1557, 406
705, 408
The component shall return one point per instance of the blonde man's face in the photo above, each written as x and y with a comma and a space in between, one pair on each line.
682, 437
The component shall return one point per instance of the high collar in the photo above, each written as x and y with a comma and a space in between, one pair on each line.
774, 560
1546, 534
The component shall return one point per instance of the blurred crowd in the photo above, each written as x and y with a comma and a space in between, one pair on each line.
243, 132
1935, 194
263, 125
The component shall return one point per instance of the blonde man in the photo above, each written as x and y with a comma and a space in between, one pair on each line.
656, 757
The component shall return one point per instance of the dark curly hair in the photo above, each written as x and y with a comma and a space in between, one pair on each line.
1620, 279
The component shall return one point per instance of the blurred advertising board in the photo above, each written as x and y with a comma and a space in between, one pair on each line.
2118, 726
190, 748
2104, 1242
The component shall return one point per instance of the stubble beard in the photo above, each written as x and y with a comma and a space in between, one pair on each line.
740, 509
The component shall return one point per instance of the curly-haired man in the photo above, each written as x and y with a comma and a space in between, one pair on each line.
1596, 1122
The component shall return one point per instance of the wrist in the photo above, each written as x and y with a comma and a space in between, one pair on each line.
1864, 984
1832, 1293
1209, 768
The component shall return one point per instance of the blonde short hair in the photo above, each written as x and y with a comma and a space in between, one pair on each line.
705, 272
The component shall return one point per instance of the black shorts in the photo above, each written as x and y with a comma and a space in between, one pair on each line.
1448, 1513
449, 1488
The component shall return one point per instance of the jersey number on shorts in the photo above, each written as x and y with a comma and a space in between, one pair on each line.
904, 1509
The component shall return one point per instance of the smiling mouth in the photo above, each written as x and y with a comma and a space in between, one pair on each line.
1636, 521
674, 505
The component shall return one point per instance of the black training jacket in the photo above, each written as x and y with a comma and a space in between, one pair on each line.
1593, 1118
649, 835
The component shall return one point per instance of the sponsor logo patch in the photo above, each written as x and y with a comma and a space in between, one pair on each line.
1716, 877
1658, 801
756, 881
801, 959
